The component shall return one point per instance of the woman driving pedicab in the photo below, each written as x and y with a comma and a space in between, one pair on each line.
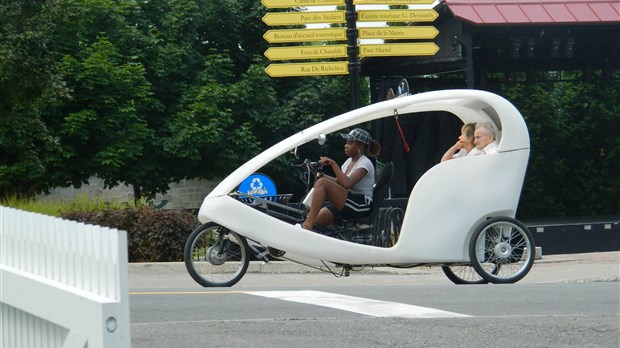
349, 191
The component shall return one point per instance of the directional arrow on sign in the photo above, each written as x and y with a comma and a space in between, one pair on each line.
397, 16
305, 35
295, 3
399, 49
293, 18
418, 32
306, 52
307, 69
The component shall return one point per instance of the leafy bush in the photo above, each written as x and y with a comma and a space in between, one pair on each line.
152, 235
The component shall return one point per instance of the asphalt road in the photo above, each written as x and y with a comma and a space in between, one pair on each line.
568, 300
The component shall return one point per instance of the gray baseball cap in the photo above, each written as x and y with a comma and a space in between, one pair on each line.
358, 134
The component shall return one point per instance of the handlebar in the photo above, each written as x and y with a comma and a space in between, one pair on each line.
311, 172
308, 163
312, 167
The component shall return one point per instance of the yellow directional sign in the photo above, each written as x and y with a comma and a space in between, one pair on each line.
293, 18
306, 52
397, 16
394, 2
301, 3
307, 69
418, 32
305, 35
399, 49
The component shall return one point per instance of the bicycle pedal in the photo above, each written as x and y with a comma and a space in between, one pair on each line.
263, 256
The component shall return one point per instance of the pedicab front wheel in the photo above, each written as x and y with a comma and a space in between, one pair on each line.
502, 250
216, 256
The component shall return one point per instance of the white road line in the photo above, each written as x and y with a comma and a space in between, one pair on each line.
359, 305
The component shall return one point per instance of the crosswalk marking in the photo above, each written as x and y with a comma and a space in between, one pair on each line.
359, 305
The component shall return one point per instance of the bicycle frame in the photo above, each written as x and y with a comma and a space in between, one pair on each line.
438, 223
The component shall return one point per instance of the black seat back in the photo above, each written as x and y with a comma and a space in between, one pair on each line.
382, 187
379, 193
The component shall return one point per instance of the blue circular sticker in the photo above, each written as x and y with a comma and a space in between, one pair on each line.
258, 185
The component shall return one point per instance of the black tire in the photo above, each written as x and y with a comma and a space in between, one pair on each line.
386, 227
502, 250
463, 274
215, 256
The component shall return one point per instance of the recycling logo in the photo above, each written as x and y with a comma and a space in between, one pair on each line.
257, 187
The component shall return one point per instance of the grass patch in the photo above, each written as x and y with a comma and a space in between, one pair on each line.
58, 207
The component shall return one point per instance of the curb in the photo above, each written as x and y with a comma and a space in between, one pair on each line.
273, 267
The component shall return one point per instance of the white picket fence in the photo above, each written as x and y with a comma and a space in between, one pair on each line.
62, 283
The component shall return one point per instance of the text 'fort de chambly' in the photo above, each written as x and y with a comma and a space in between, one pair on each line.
335, 51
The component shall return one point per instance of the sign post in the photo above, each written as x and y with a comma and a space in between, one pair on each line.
353, 50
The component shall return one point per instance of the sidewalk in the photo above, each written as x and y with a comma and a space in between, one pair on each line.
576, 268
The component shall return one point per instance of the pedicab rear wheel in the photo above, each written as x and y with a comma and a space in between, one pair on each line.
502, 250
463, 274
216, 256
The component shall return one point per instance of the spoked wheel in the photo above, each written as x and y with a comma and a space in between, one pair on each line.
386, 227
215, 256
502, 250
463, 274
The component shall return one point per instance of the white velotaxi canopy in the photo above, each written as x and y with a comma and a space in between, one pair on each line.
445, 206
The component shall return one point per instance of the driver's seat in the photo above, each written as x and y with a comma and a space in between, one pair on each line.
379, 192
382, 188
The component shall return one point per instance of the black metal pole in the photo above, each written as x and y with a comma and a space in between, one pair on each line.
353, 53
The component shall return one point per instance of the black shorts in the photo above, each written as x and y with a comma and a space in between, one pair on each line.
355, 207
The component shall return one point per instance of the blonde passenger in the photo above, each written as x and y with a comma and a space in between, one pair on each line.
464, 145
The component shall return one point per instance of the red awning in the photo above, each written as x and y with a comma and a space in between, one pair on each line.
535, 11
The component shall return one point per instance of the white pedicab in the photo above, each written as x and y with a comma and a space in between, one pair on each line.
460, 214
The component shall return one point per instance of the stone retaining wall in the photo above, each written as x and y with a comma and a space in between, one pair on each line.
184, 194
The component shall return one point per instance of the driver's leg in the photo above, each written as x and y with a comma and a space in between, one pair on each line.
324, 189
325, 218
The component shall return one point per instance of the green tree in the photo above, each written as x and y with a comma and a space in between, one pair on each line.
104, 130
28, 80
143, 93
574, 167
